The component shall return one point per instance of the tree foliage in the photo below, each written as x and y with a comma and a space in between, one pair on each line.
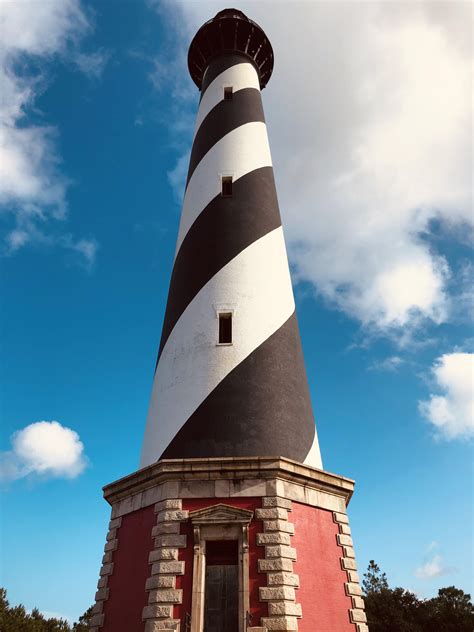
374, 580
388, 610
399, 610
17, 619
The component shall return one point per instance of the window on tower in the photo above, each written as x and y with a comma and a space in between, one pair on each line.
228, 93
225, 328
226, 186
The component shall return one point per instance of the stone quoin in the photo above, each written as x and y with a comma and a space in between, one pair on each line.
230, 524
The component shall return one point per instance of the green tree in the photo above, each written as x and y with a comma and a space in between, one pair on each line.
374, 580
399, 610
18, 620
452, 610
12, 619
396, 610
83, 624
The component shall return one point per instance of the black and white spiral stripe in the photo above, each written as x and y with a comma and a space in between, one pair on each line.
250, 398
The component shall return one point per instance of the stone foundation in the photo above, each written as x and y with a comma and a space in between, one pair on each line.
274, 489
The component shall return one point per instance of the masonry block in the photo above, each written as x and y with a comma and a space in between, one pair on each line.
344, 540
163, 554
169, 625
340, 517
353, 589
115, 523
282, 608
111, 545
169, 515
168, 568
358, 602
102, 594
279, 525
276, 501
273, 537
357, 616
169, 503
161, 611
96, 620
280, 550
160, 581
286, 593
274, 513
348, 564
102, 582
152, 612
353, 576
98, 607
280, 624
283, 579
107, 569
107, 557
171, 540
166, 596
165, 528
266, 566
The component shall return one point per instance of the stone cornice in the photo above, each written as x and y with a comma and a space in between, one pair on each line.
228, 468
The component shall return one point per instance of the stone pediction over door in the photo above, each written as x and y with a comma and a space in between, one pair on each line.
230, 525
247, 394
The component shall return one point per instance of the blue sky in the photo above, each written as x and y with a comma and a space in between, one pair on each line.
369, 125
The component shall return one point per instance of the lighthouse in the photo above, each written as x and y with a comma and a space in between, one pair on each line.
230, 524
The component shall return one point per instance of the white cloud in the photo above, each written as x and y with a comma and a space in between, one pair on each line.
432, 568
32, 187
43, 448
369, 121
433, 564
177, 176
87, 248
93, 64
451, 411
392, 364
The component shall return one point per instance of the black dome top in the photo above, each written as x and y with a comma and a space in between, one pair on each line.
230, 31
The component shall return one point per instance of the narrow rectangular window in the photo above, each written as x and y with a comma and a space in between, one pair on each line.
228, 93
225, 328
226, 186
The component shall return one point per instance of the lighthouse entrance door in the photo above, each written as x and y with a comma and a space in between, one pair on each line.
221, 607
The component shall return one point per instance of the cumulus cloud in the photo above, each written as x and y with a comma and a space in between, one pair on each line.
451, 409
369, 118
44, 448
32, 186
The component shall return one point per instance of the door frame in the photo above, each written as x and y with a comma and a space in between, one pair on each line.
219, 522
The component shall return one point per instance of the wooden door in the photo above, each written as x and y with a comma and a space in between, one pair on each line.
221, 609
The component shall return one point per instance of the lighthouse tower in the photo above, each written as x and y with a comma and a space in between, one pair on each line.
230, 524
